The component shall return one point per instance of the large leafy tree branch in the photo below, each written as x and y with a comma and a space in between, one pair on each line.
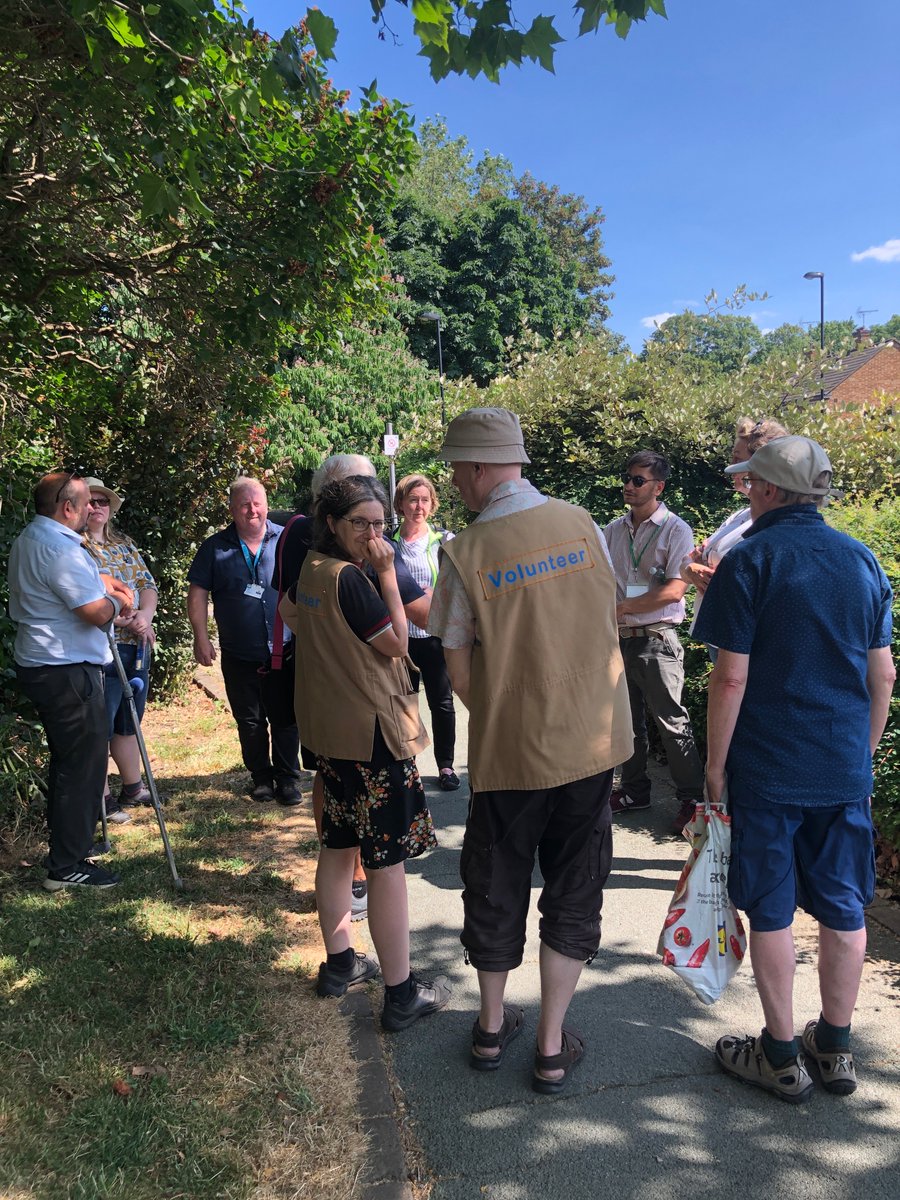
481, 37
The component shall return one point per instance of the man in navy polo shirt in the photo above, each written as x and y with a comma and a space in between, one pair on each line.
235, 567
798, 701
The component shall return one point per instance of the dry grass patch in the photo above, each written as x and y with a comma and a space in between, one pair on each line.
165, 1044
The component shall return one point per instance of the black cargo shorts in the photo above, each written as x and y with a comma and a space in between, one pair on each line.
569, 829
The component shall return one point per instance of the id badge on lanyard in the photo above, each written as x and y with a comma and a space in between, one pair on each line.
253, 588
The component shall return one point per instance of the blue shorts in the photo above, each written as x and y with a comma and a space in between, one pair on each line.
784, 857
118, 711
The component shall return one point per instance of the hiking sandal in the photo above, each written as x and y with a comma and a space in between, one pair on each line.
570, 1056
513, 1023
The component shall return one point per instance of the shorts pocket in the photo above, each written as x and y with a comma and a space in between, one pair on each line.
476, 867
600, 857
735, 880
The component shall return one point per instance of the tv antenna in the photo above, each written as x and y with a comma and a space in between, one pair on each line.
862, 313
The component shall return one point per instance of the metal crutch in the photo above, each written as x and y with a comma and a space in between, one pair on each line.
145, 759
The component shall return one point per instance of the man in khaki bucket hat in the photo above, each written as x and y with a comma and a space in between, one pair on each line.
524, 605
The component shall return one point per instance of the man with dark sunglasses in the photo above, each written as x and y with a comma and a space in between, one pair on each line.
647, 546
63, 606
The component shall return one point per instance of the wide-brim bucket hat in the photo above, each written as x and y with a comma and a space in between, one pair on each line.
97, 485
484, 435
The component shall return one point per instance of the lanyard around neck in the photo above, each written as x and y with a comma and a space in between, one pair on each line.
636, 561
252, 563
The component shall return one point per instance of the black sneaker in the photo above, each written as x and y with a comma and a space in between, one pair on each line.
448, 780
262, 792
429, 996
333, 982
288, 793
83, 874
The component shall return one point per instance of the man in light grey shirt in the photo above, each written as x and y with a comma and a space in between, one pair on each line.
63, 606
647, 546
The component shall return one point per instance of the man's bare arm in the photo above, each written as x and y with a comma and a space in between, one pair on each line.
417, 610
880, 684
657, 597
727, 685
198, 615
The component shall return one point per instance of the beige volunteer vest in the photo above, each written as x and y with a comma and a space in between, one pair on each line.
343, 685
549, 701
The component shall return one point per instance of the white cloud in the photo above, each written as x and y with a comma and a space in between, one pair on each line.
888, 251
656, 321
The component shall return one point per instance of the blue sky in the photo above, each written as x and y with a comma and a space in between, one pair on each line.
740, 141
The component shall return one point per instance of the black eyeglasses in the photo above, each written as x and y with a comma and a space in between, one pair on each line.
70, 475
360, 524
637, 480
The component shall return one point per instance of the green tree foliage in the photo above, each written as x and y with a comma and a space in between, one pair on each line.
573, 230
889, 329
480, 37
796, 342
180, 197
470, 240
706, 343
446, 179
341, 400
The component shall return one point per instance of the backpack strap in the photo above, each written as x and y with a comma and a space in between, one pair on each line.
278, 623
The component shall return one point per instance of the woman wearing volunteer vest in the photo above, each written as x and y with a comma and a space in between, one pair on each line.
360, 719
417, 543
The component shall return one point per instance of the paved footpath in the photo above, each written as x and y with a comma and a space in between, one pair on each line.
647, 1114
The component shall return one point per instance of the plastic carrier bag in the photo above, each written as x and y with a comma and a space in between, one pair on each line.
703, 940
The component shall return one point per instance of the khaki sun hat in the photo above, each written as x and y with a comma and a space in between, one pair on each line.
97, 485
484, 435
791, 463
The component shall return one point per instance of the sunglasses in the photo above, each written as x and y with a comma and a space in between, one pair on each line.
70, 475
637, 480
99, 502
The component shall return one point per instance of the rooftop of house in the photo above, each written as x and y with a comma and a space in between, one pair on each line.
841, 369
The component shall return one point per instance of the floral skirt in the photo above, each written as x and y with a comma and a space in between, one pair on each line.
378, 805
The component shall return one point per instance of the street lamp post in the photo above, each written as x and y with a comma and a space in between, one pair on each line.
436, 317
820, 275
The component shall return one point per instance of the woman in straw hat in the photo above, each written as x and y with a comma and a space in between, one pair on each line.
118, 556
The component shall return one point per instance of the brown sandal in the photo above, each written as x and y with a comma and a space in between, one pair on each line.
513, 1023
570, 1056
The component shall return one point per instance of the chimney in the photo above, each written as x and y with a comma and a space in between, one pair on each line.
862, 338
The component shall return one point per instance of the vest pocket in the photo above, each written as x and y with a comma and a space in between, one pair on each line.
407, 723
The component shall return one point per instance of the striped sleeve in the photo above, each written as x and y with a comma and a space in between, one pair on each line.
362, 606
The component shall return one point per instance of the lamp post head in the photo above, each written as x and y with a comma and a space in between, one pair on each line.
430, 316
814, 275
